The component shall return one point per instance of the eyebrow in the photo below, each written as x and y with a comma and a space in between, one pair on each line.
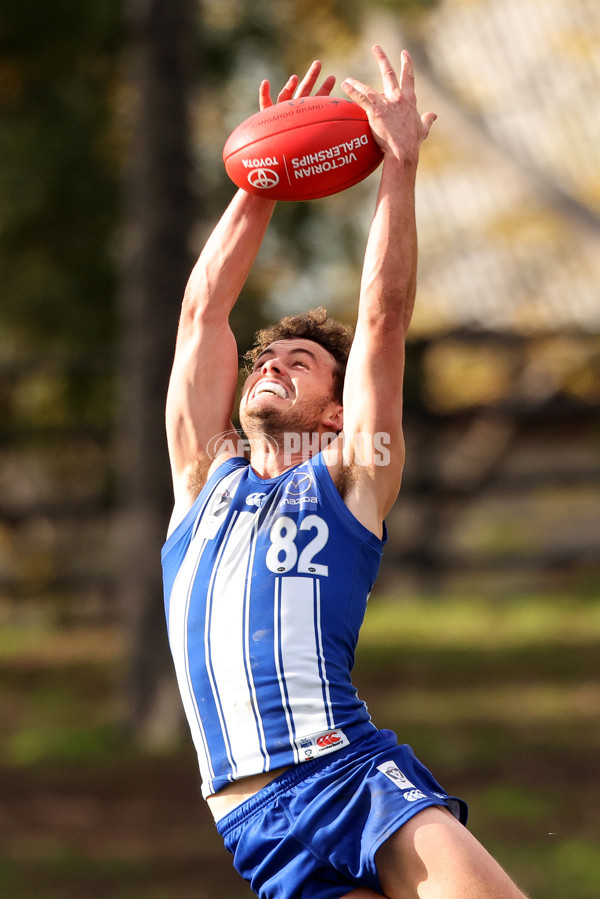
269, 352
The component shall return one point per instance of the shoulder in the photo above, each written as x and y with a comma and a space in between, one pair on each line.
350, 491
197, 474
199, 482
361, 479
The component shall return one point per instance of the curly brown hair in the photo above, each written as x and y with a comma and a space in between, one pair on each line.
314, 325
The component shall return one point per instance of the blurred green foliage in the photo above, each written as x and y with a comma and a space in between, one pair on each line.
58, 175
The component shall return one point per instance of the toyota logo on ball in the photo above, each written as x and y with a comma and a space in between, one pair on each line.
263, 178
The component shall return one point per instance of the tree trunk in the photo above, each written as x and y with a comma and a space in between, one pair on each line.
158, 211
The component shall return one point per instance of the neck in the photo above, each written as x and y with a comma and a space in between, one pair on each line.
271, 455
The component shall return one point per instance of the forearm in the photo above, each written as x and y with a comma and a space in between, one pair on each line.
388, 282
204, 376
389, 274
225, 262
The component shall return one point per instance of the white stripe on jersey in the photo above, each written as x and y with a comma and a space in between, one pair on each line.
279, 666
179, 607
328, 706
299, 653
226, 650
178, 637
247, 662
226, 642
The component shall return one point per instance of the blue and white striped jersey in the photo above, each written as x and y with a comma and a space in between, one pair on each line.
266, 586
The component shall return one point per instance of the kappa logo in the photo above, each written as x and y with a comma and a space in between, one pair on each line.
264, 179
328, 739
256, 499
391, 770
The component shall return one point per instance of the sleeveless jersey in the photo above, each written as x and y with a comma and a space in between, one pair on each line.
266, 585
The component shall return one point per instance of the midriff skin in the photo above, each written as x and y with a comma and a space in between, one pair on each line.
235, 793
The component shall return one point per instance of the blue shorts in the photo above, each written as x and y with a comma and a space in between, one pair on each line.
313, 832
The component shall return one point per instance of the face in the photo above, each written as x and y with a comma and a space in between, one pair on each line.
291, 388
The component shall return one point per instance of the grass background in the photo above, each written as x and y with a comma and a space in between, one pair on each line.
501, 699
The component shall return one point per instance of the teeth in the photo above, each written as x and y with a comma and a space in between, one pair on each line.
274, 388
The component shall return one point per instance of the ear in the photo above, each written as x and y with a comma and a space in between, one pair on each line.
333, 417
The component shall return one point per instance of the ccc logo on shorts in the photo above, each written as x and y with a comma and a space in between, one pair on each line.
328, 739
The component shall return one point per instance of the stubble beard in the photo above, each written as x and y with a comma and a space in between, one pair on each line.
273, 423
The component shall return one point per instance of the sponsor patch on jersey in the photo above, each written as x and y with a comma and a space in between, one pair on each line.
299, 500
298, 490
299, 483
315, 745
391, 770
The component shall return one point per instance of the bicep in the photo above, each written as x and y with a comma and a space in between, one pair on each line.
201, 395
373, 435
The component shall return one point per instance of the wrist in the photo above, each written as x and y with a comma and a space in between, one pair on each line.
399, 168
254, 201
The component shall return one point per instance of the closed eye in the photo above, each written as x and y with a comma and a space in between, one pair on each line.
259, 362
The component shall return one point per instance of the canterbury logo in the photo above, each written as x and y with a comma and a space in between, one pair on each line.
328, 739
256, 499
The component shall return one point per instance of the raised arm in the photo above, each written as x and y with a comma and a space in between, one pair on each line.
204, 375
373, 446
203, 380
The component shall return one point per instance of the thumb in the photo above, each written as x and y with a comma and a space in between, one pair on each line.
428, 119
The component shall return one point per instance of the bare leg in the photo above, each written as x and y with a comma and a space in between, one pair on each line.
434, 857
361, 893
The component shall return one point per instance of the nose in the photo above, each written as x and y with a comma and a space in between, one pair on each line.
271, 365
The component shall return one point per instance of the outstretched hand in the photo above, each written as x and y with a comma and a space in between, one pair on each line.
295, 88
396, 125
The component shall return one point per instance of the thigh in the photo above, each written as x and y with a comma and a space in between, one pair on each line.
434, 856
361, 893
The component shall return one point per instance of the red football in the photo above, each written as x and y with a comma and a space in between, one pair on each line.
302, 149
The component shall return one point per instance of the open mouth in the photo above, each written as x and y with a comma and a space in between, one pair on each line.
272, 387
